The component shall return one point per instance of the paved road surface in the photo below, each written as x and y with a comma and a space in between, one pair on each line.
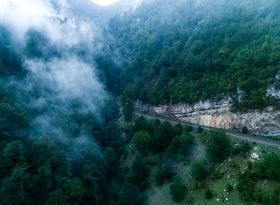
251, 138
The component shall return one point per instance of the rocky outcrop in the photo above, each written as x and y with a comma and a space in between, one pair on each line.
272, 90
219, 115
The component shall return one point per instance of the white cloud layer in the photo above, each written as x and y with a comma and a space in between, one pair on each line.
63, 79
55, 20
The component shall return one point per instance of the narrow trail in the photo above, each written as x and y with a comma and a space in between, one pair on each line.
246, 137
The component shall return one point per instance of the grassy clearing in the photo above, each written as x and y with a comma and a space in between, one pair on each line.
218, 185
160, 194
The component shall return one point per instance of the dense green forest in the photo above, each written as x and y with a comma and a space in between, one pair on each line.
56, 149
188, 50
43, 170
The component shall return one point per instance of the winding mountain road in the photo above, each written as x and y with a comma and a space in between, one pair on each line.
246, 137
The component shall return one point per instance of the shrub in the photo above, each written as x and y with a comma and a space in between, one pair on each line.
218, 146
245, 130
208, 194
164, 173
188, 128
267, 197
229, 188
269, 167
199, 170
178, 129
142, 140
246, 186
139, 173
163, 136
243, 148
178, 190
181, 145
199, 185
142, 124
199, 130
218, 174
129, 194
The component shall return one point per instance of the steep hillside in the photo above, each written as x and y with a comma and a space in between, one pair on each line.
67, 65
190, 50
218, 115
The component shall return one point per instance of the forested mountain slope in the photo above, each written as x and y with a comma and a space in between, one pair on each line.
63, 69
54, 111
189, 50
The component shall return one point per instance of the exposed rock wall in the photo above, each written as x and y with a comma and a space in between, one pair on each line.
219, 115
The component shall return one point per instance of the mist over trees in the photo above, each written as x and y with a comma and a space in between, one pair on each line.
65, 79
54, 111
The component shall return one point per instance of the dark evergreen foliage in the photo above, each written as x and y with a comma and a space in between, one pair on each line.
182, 51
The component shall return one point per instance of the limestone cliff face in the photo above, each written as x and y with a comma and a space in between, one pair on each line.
219, 115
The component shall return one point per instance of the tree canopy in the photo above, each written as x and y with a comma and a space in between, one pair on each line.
182, 51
